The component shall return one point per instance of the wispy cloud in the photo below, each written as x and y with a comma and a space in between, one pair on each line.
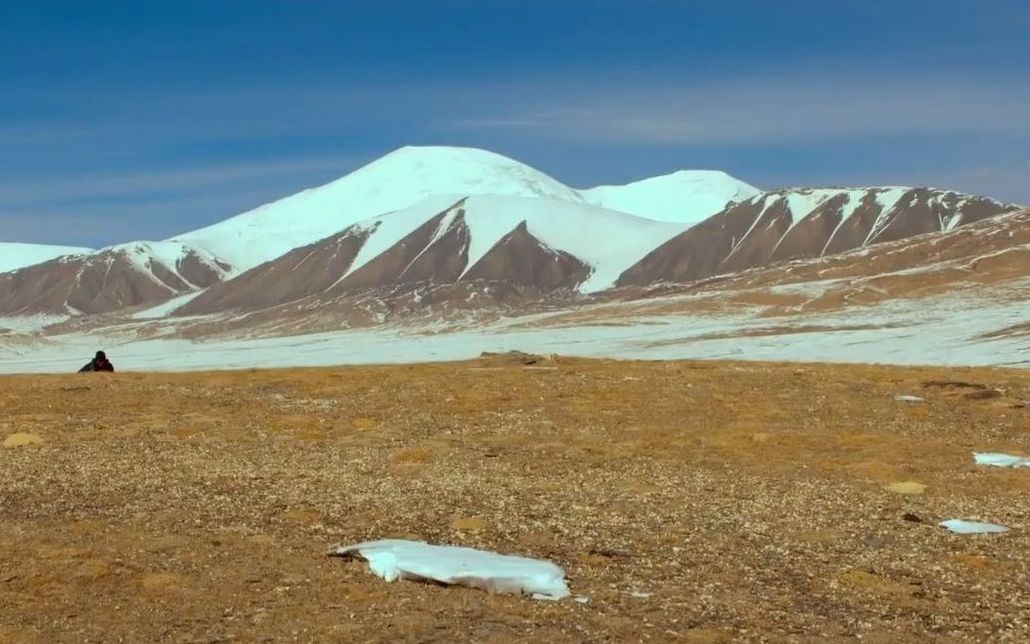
108, 170
787, 109
181, 180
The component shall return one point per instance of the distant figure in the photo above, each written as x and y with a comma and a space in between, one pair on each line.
98, 363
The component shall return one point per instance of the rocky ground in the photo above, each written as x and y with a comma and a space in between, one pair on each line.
687, 501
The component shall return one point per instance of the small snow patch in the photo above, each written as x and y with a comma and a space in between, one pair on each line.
997, 459
959, 526
908, 399
394, 559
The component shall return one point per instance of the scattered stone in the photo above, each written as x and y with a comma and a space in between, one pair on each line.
983, 394
970, 390
515, 357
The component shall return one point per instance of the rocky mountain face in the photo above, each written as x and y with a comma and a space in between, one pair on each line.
113, 279
792, 224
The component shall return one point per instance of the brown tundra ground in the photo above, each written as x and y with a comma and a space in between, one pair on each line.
693, 501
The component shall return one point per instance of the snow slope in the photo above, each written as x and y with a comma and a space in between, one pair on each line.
608, 242
687, 196
152, 258
15, 255
397, 180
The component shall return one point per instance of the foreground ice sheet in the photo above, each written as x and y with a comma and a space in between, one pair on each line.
958, 526
394, 559
1000, 460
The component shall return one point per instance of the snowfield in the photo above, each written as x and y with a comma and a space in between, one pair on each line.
687, 196
14, 255
943, 331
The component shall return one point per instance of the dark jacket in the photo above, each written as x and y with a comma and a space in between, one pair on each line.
99, 363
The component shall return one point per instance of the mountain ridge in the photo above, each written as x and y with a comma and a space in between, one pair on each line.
432, 215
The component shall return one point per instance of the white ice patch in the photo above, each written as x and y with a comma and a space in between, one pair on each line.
959, 526
394, 559
997, 459
907, 398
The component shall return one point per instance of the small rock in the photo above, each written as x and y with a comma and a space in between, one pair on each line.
983, 394
914, 518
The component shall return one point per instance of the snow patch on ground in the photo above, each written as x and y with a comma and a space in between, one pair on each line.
394, 559
996, 459
165, 309
961, 526
31, 323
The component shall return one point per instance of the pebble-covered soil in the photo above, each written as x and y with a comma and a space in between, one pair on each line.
688, 501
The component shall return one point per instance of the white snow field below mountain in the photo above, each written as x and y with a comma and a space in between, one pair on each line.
946, 330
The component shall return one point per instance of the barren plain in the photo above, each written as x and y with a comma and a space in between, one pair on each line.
688, 501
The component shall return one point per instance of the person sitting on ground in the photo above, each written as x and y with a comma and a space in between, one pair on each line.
98, 363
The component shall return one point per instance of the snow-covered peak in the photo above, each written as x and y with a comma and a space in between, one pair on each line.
15, 255
435, 170
395, 181
686, 196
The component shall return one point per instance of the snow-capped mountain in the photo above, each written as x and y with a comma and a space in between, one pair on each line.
539, 243
110, 279
396, 181
15, 255
426, 218
804, 223
687, 196
406, 182
409, 175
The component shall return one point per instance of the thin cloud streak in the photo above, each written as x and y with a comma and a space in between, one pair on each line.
177, 180
765, 111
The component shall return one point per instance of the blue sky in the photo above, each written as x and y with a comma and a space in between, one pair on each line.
131, 119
